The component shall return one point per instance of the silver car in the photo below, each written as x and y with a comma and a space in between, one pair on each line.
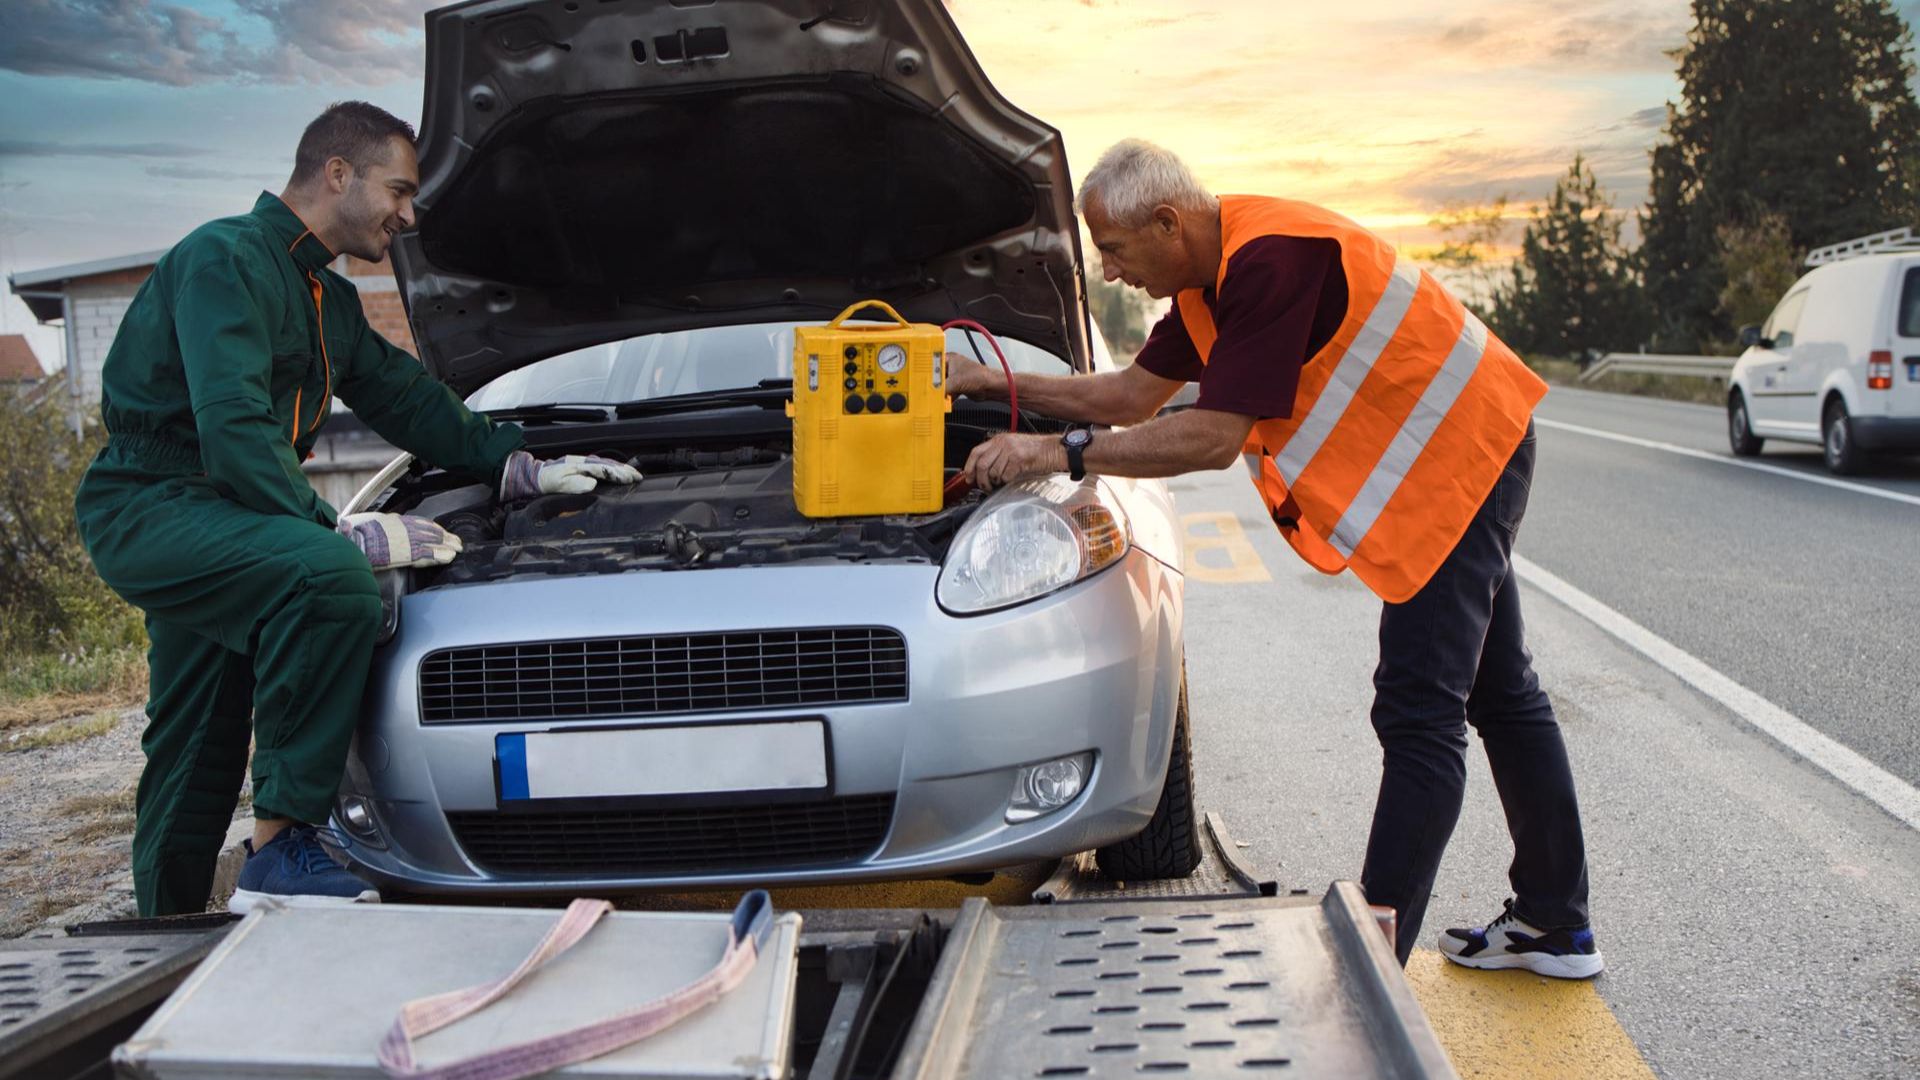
625, 211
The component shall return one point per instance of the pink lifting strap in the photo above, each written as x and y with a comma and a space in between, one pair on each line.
747, 935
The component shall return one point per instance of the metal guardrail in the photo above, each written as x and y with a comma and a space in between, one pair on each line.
1705, 367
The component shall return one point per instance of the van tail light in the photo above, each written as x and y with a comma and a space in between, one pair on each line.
1879, 370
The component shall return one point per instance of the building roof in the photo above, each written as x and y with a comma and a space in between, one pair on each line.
17, 362
41, 289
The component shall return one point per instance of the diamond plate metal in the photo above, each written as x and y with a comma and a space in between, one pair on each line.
55, 991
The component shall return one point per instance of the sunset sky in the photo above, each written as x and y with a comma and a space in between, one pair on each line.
125, 123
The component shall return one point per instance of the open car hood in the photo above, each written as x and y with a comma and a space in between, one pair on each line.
595, 170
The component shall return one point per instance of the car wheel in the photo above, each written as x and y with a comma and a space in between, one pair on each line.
1169, 847
1740, 429
1844, 457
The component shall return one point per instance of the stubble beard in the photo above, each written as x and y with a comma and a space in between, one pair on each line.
364, 226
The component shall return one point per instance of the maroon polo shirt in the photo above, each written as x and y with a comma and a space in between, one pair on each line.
1281, 301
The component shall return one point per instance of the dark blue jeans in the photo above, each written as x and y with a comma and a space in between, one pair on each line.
1455, 655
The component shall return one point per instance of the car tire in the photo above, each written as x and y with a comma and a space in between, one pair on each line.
1169, 847
1740, 434
1844, 456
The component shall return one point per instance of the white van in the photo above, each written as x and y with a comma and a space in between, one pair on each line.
1838, 361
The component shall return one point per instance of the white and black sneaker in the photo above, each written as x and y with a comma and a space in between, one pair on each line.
1506, 942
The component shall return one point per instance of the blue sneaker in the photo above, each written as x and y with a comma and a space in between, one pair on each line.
294, 868
1506, 942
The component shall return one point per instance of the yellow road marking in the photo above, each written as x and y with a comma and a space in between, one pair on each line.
1219, 536
1517, 1024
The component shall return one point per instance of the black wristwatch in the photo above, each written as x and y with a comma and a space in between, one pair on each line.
1076, 440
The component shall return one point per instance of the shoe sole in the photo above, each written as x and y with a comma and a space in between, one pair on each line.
244, 901
1553, 967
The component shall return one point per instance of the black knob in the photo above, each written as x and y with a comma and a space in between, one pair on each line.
853, 384
897, 403
876, 403
853, 352
855, 403
852, 367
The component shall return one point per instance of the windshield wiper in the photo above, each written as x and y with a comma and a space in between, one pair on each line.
766, 394
552, 414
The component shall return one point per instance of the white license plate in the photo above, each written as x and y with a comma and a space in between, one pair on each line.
786, 756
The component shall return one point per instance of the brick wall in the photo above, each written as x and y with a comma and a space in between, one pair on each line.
385, 314
98, 306
380, 299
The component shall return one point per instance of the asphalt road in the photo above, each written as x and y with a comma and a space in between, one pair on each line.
1804, 593
1756, 914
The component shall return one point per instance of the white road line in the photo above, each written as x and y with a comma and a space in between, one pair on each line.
1688, 451
1886, 790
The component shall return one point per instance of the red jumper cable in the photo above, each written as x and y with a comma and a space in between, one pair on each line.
959, 484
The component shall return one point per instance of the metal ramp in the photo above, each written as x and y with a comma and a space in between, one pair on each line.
1265, 987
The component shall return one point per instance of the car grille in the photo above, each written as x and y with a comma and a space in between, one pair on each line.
677, 840
651, 676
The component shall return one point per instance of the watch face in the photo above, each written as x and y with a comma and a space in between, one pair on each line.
891, 359
1079, 437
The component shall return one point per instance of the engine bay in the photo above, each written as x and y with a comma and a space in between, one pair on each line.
727, 503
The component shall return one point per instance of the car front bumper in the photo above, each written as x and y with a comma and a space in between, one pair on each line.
1095, 667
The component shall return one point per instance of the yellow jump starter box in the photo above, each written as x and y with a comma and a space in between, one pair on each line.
869, 417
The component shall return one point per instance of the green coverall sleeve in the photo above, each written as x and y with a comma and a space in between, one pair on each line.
220, 320
411, 409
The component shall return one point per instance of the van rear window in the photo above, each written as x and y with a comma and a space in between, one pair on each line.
1910, 304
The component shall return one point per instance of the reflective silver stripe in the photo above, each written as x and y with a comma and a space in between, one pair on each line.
1252, 462
1352, 370
1435, 401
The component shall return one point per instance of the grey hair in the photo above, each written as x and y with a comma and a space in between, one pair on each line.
1134, 176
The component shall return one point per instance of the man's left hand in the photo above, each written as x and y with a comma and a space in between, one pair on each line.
527, 476
1005, 458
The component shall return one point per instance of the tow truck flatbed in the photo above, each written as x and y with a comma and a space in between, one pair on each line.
1215, 974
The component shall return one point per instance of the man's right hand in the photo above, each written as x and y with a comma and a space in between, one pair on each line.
390, 540
968, 376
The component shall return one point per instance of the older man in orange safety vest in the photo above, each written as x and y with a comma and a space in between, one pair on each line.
1389, 434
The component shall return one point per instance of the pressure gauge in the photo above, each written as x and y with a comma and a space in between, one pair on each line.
891, 359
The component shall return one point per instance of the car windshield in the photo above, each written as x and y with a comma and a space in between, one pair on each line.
691, 362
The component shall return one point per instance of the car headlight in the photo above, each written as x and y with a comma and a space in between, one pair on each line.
1036, 537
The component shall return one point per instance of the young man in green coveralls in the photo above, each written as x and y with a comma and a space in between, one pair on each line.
261, 604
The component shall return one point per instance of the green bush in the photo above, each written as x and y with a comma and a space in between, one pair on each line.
52, 604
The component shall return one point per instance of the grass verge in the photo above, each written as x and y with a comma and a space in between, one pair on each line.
40, 687
1665, 387
60, 734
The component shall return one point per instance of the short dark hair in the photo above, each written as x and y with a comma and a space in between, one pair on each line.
353, 130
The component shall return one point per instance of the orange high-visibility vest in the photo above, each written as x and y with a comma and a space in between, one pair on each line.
1403, 421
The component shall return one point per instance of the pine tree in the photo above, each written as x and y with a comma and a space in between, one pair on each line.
1470, 236
1120, 312
1760, 265
1573, 287
1800, 108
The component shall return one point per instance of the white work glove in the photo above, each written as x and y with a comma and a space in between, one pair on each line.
390, 540
526, 476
